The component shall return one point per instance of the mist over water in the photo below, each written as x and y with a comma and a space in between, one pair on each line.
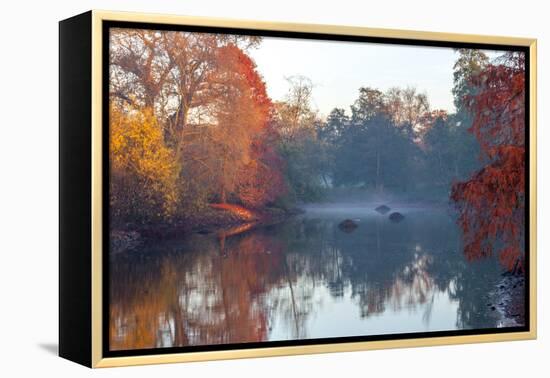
367, 209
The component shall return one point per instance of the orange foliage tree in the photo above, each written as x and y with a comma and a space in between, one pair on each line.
248, 169
491, 203
261, 180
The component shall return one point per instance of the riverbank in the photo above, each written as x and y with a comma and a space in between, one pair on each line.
212, 219
508, 300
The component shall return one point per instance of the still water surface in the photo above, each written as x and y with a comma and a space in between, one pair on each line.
303, 278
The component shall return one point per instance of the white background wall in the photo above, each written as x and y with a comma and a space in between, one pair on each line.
28, 186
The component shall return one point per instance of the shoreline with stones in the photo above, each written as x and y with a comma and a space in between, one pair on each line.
507, 300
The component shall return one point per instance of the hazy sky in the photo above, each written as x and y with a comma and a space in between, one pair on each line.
338, 69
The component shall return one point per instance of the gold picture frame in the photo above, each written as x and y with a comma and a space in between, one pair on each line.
90, 328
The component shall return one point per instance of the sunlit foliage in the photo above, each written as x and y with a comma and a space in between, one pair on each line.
143, 169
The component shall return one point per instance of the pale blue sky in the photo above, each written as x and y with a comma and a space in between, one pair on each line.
338, 69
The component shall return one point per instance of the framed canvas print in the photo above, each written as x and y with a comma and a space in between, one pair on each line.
235, 189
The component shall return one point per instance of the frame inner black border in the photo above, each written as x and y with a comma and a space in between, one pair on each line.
106, 25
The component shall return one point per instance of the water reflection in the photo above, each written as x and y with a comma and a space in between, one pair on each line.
304, 278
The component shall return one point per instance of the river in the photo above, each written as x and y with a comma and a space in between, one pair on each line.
299, 279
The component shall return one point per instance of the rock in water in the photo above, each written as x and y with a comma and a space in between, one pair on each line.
347, 225
383, 209
396, 217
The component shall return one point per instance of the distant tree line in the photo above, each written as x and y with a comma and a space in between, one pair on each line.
389, 142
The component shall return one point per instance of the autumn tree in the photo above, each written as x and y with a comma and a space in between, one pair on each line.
192, 85
143, 169
406, 107
139, 68
491, 203
241, 139
168, 71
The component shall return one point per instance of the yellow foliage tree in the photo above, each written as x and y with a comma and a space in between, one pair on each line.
144, 171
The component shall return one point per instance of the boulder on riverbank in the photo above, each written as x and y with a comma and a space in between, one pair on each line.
347, 225
396, 217
383, 209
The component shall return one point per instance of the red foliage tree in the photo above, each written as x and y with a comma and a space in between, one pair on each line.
491, 203
261, 180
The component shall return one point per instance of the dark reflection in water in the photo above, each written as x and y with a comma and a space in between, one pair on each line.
303, 278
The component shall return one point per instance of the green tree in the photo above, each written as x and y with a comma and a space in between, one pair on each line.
377, 154
470, 63
369, 104
300, 145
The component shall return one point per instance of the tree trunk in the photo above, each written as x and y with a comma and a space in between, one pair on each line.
325, 180
378, 187
180, 122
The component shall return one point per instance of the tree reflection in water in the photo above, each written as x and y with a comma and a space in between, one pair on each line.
283, 281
